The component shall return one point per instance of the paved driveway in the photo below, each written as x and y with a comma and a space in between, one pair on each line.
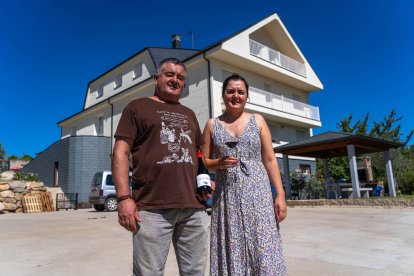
317, 241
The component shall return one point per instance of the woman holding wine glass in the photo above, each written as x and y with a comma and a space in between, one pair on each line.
245, 237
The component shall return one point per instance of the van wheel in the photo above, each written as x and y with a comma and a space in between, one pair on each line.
111, 204
99, 208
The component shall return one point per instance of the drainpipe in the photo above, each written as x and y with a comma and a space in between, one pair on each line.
210, 108
112, 125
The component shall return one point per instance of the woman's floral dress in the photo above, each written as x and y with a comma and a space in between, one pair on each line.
244, 236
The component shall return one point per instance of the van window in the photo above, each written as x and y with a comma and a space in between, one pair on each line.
97, 179
109, 181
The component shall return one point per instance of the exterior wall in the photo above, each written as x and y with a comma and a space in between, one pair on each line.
107, 81
44, 164
294, 164
119, 105
217, 73
79, 158
263, 37
284, 131
87, 155
196, 95
273, 33
282, 134
88, 125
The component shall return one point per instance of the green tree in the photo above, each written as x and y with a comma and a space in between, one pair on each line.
338, 168
2, 152
13, 157
26, 157
385, 129
388, 129
360, 127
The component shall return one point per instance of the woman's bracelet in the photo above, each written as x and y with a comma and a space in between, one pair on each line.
121, 198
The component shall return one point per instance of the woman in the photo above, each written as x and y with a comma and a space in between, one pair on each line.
244, 223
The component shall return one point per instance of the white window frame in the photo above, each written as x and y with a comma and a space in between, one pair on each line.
118, 81
305, 168
99, 91
137, 72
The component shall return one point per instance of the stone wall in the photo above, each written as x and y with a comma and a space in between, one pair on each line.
13, 191
357, 202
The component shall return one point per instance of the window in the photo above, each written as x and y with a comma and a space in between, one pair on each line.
99, 91
305, 168
109, 181
300, 134
97, 179
137, 71
274, 133
99, 131
56, 174
118, 81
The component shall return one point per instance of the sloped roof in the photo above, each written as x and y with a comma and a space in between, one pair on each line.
334, 144
158, 54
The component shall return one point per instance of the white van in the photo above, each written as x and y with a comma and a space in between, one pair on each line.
103, 195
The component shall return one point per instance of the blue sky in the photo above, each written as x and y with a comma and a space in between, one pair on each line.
362, 51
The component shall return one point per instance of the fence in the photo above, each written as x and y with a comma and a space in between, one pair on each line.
66, 201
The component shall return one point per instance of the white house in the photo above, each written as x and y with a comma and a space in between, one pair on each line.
279, 76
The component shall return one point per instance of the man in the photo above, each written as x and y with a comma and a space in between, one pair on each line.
162, 136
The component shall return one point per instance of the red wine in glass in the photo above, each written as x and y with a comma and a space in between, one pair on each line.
232, 144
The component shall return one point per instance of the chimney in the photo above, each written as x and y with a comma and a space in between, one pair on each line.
176, 41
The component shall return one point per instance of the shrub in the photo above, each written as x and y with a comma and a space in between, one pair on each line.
26, 177
406, 183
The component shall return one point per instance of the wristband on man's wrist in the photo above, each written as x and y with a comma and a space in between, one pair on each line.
121, 198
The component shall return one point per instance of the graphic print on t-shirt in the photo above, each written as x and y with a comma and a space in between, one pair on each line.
175, 134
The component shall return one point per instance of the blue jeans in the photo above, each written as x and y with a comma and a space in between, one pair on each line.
188, 229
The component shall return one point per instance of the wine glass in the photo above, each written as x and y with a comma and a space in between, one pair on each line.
232, 144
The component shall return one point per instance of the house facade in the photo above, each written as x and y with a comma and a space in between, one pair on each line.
264, 53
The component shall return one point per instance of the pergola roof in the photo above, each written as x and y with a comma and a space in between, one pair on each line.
334, 144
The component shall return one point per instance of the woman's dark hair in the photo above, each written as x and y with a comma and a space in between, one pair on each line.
234, 77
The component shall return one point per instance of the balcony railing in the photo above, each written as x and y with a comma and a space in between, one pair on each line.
259, 50
280, 103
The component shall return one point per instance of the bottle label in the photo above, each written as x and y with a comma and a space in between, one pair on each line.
203, 180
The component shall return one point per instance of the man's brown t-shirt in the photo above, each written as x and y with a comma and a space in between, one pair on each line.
163, 139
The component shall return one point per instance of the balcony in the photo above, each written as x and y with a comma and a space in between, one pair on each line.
280, 103
261, 51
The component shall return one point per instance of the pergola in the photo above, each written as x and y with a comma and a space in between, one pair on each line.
336, 144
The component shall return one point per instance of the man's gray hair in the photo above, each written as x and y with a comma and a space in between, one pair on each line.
172, 60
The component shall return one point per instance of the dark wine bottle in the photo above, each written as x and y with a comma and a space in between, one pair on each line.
203, 178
